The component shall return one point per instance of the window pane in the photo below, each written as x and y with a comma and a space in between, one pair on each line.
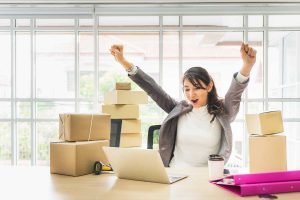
255, 21
238, 148
213, 21
23, 110
55, 64
255, 88
284, 20
284, 70
275, 106
5, 143
4, 22
86, 64
87, 107
171, 21
51, 110
129, 21
291, 130
217, 52
45, 132
5, 65
171, 80
54, 22
86, 22
142, 49
22, 22
255, 107
5, 108
291, 110
23, 64
24, 143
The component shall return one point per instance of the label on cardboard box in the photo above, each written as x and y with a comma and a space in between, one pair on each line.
83, 127
76, 158
264, 123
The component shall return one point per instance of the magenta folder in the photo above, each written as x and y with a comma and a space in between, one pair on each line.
261, 183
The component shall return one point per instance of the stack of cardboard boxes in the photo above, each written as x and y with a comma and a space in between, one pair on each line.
82, 138
123, 103
267, 148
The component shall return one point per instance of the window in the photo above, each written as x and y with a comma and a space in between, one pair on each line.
60, 62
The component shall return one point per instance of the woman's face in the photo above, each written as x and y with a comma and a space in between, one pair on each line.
197, 96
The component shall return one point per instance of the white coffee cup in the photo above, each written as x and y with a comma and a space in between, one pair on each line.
215, 167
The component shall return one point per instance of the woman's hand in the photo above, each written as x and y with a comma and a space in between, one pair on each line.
248, 55
117, 51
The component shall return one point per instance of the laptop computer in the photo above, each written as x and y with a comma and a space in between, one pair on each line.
140, 165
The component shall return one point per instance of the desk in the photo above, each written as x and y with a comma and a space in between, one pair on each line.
37, 183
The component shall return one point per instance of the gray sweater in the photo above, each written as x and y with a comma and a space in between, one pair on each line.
168, 130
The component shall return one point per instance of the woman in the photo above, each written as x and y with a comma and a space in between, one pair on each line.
200, 125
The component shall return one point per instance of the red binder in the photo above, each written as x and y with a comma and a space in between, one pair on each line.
261, 183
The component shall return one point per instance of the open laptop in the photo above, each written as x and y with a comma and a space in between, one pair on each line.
139, 164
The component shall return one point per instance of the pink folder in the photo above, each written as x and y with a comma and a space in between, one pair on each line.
261, 183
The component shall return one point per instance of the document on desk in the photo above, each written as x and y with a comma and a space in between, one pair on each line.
261, 183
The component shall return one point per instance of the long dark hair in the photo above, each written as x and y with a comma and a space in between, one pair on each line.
215, 105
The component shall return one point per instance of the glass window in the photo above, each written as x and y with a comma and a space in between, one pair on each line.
22, 22
86, 64
284, 20
170, 71
171, 21
4, 22
23, 64
128, 21
45, 132
255, 88
217, 52
5, 108
86, 22
255, 107
23, 110
24, 143
255, 21
51, 110
55, 61
54, 22
5, 143
87, 107
5, 65
213, 21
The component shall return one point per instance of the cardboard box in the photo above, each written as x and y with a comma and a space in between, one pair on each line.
131, 140
131, 126
83, 127
122, 111
125, 97
267, 153
123, 86
264, 123
76, 158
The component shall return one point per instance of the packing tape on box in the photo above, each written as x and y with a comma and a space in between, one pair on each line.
62, 133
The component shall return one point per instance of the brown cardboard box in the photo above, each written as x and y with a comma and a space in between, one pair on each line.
123, 86
76, 158
264, 123
131, 126
125, 97
131, 140
122, 111
79, 127
267, 153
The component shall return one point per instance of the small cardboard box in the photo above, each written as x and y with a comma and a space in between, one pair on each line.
131, 126
125, 97
267, 153
76, 158
123, 86
122, 111
83, 127
264, 123
131, 140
